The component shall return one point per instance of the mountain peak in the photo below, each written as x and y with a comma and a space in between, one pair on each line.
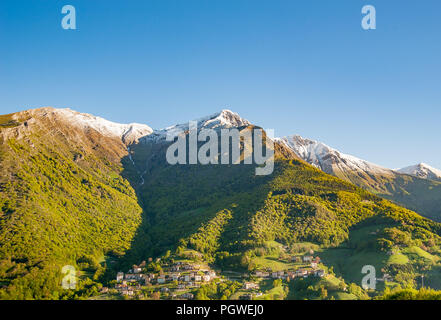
224, 119
422, 170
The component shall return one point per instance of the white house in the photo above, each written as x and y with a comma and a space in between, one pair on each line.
250, 286
137, 270
119, 276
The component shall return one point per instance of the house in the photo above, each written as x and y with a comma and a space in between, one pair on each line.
307, 258
320, 273
313, 265
127, 292
181, 286
274, 275
250, 286
262, 274
187, 278
165, 289
131, 276
119, 276
197, 278
137, 270
212, 274
302, 273
188, 296
295, 259
259, 274
161, 279
175, 276
280, 273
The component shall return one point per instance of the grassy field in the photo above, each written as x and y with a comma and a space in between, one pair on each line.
272, 263
276, 293
418, 253
398, 258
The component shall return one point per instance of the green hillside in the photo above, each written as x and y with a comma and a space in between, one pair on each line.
74, 197
61, 203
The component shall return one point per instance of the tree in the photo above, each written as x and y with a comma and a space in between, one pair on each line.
156, 295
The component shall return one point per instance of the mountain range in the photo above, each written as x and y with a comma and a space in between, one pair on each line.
79, 190
417, 187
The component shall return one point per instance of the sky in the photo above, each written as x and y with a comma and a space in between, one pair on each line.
299, 67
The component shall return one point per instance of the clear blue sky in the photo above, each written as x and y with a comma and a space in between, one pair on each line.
304, 67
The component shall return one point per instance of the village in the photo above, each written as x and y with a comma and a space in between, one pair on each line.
179, 279
176, 280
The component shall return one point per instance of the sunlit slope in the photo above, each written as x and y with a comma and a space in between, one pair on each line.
228, 214
62, 202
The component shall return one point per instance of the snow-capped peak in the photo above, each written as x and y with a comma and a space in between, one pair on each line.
326, 158
422, 170
128, 133
221, 120
225, 119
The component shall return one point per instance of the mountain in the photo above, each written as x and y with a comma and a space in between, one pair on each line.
414, 192
63, 199
423, 171
78, 190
